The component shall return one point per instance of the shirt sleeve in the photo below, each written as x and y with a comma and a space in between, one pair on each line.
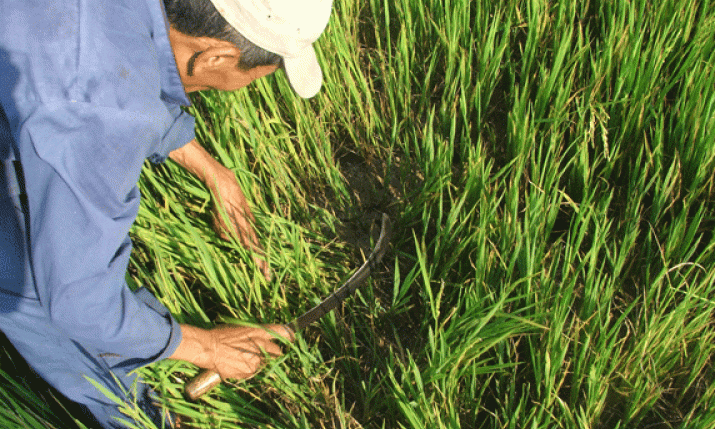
179, 134
82, 163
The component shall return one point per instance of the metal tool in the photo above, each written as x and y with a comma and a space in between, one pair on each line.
206, 380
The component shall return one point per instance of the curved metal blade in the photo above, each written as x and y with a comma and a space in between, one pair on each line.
354, 282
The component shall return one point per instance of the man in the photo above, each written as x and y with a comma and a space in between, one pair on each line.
89, 90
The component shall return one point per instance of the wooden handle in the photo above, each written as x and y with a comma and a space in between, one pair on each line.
201, 384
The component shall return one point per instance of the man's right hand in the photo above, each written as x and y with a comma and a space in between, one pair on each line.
233, 351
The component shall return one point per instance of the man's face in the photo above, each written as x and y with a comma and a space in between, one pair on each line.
206, 63
227, 79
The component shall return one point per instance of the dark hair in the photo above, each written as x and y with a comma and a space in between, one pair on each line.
199, 18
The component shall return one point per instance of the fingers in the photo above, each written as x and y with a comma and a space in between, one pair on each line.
238, 224
234, 223
266, 346
262, 265
265, 338
241, 350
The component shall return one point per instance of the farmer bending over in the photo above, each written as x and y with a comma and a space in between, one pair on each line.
89, 90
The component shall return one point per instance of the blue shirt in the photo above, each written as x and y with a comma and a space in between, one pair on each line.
89, 90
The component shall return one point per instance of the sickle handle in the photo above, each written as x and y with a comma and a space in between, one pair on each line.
201, 384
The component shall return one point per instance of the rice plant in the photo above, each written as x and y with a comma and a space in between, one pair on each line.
549, 170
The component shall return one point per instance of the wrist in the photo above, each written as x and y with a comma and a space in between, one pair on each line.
194, 158
196, 347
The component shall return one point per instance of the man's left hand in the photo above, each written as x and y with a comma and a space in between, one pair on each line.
232, 215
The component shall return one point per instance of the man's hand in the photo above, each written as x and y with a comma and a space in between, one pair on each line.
231, 212
232, 351
232, 215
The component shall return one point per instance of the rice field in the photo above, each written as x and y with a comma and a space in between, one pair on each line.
549, 168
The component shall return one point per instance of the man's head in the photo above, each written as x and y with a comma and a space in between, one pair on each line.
226, 44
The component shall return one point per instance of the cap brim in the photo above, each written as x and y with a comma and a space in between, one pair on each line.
304, 73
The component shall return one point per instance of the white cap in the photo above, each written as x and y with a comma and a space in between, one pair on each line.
287, 28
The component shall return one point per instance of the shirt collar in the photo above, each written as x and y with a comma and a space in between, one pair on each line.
172, 90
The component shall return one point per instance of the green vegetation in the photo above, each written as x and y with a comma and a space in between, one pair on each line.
550, 171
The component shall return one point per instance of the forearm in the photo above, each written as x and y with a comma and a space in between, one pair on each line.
215, 176
194, 158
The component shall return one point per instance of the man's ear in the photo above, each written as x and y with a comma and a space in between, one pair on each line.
215, 59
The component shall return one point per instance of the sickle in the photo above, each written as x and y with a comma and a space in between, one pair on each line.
206, 380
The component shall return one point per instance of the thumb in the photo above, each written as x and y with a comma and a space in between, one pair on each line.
282, 331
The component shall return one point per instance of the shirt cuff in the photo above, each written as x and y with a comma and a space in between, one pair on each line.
175, 333
178, 135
